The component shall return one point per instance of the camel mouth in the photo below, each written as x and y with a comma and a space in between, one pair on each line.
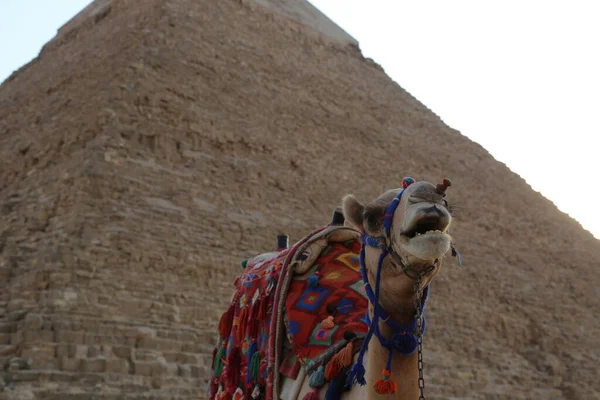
427, 225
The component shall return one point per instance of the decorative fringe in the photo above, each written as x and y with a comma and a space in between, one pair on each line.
344, 357
233, 366
254, 366
313, 281
357, 374
256, 392
328, 323
251, 352
253, 320
214, 386
218, 361
317, 379
336, 386
312, 395
263, 308
331, 370
242, 323
385, 385
226, 321
244, 263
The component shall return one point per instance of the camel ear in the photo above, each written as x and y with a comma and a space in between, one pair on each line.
353, 212
373, 218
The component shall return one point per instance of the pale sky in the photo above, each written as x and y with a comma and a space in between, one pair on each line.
519, 77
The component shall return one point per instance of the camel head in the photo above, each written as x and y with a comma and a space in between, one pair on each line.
416, 235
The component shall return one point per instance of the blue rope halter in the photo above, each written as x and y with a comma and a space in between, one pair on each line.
404, 339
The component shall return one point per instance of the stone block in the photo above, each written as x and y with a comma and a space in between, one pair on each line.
145, 355
117, 365
32, 321
184, 371
78, 351
144, 368
62, 350
187, 358
93, 364
122, 351
158, 344
72, 337
69, 364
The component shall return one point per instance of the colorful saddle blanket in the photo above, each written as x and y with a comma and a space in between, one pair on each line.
310, 294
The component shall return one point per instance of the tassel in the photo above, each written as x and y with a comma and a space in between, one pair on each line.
357, 374
251, 352
233, 366
262, 309
226, 321
256, 392
313, 281
336, 386
214, 386
312, 395
385, 385
317, 379
344, 357
328, 323
331, 370
254, 368
218, 361
241, 328
227, 395
253, 319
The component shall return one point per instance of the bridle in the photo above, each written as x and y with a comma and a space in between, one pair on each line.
404, 339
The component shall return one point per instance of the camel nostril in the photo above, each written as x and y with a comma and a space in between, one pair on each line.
434, 210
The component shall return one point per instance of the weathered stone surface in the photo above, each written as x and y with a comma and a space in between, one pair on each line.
147, 150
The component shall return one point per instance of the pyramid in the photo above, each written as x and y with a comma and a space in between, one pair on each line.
153, 145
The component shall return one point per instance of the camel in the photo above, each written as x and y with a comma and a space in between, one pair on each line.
404, 236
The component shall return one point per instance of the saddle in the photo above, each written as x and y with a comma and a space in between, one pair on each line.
299, 307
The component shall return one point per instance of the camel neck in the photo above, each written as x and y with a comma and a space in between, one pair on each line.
404, 370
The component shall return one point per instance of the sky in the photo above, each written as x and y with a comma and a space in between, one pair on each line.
519, 77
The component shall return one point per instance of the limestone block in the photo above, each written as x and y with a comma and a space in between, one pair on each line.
93, 365
69, 364
32, 321
122, 351
72, 337
117, 365
78, 351
143, 368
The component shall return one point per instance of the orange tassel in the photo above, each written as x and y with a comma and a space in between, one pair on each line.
331, 370
328, 323
385, 385
242, 323
343, 358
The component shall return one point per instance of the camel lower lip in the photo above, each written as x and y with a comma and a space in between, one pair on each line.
431, 235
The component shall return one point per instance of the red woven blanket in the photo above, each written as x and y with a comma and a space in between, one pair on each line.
320, 305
